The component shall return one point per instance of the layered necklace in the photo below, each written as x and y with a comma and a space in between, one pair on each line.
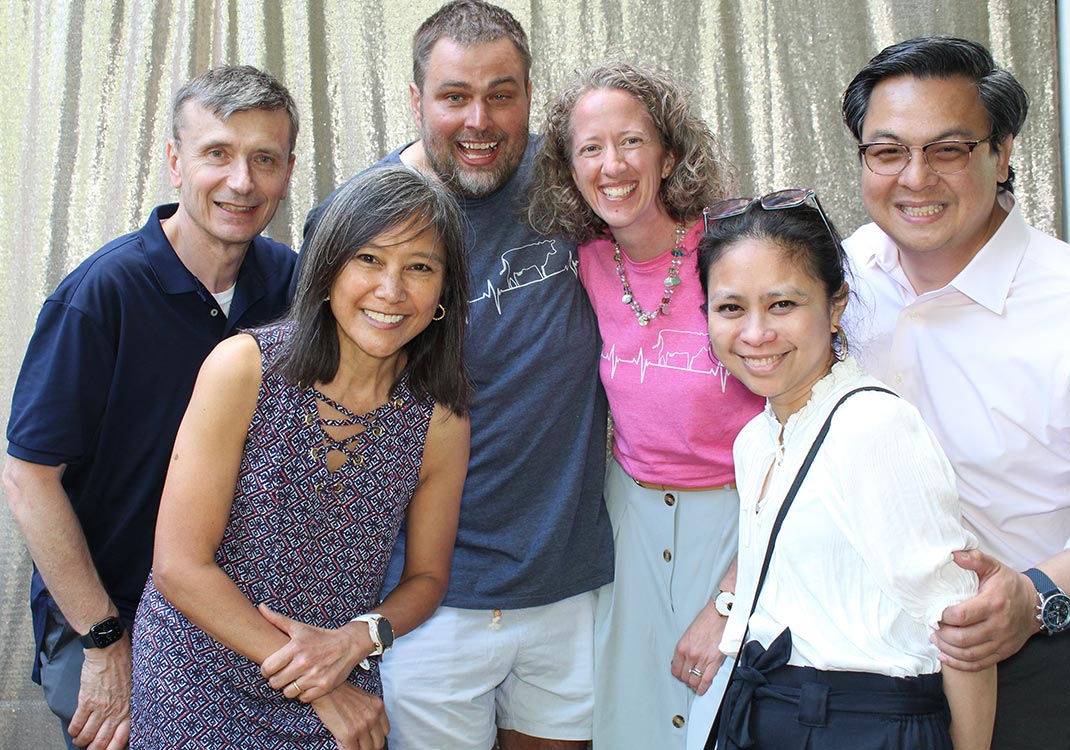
671, 281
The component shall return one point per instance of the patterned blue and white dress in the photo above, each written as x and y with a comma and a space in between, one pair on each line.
310, 543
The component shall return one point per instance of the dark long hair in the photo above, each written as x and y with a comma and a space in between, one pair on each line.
375, 202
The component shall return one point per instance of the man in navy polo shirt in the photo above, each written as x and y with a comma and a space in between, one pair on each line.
109, 371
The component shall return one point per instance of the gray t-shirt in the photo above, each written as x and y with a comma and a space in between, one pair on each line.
533, 528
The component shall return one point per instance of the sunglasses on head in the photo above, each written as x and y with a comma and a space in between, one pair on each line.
790, 198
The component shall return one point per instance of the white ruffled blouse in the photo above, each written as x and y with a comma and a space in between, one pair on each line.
862, 568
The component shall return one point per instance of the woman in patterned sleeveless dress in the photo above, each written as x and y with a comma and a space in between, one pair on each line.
304, 447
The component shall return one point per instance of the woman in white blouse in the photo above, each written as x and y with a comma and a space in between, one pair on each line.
837, 654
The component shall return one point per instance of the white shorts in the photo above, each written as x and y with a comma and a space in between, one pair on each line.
462, 674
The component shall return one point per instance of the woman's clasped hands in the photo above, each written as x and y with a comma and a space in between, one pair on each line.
313, 667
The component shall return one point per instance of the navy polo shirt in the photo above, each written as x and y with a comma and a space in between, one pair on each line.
106, 380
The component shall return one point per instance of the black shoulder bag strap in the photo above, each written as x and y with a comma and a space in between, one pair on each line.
711, 741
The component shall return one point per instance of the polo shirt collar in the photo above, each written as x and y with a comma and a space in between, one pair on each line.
175, 278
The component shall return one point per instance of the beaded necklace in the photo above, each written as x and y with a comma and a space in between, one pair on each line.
671, 281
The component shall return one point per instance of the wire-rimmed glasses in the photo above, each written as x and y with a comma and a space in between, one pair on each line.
943, 157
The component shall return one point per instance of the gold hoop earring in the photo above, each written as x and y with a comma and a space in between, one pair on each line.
840, 347
441, 313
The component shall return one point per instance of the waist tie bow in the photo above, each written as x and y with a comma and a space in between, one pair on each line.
748, 678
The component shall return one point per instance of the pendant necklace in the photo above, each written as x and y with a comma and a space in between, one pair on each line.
671, 281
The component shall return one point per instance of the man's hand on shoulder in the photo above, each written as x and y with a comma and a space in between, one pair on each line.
102, 721
995, 624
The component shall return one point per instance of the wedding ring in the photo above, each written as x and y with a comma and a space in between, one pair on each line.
695, 671
295, 685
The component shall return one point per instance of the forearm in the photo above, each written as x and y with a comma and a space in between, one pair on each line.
211, 600
56, 542
728, 582
413, 600
972, 699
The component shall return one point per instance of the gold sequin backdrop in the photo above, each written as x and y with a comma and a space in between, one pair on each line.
86, 86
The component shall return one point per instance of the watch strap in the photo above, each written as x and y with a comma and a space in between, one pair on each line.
372, 621
1044, 585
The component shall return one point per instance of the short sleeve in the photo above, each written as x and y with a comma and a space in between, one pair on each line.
62, 388
898, 505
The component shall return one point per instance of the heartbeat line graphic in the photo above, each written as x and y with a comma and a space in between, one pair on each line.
674, 350
527, 265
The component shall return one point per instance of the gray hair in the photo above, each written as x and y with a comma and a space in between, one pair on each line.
234, 88
467, 22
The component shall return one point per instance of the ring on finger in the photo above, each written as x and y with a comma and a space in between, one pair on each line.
294, 684
695, 671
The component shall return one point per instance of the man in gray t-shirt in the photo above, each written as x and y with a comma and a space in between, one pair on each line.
510, 652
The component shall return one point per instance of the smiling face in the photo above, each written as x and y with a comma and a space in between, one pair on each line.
230, 175
950, 216
387, 293
617, 158
771, 322
472, 113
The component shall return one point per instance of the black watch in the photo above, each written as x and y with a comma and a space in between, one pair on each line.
1054, 608
104, 633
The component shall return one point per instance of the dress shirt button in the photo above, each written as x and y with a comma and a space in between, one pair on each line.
678, 721
670, 500
913, 315
898, 379
214, 312
667, 555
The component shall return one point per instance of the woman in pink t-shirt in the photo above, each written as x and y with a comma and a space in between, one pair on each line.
625, 170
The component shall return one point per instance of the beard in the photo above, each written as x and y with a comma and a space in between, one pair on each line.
467, 180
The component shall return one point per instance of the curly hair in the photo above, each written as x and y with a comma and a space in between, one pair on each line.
701, 173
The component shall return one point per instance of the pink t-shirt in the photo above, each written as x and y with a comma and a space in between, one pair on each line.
676, 409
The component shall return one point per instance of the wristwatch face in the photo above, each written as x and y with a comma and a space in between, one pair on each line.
723, 603
106, 632
386, 633
1055, 614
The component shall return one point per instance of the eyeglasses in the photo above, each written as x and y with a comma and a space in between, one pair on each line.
790, 198
943, 157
